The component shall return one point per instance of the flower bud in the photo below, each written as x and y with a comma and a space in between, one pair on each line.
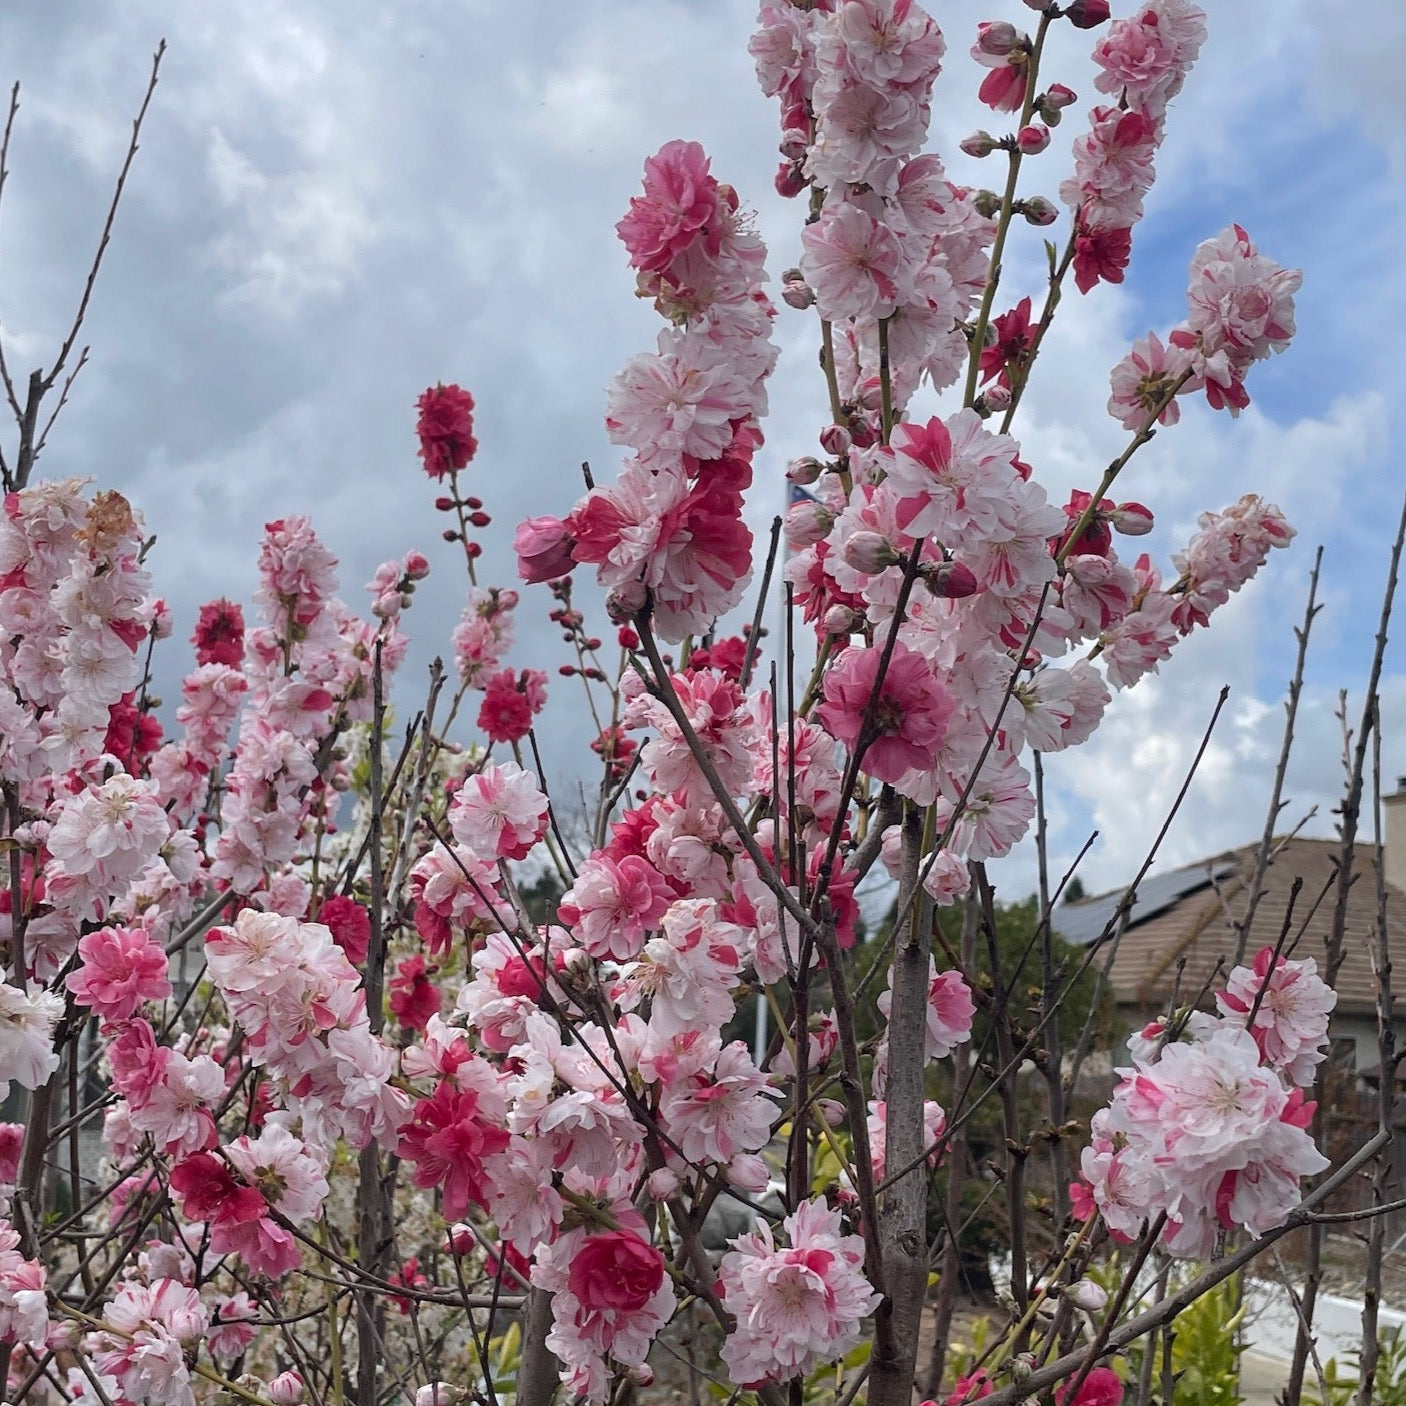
949, 580
835, 440
980, 143
986, 202
1032, 140
1131, 519
1087, 1295
795, 291
437, 1394
1022, 1364
840, 620
869, 552
997, 397
641, 1375
870, 394
1038, 211
286, 1389
625, 602
997, 37
804, 471
832, 1111
417, 566
864, 430
460, 1239
808, 523
748, 1172
1057, 96
661, 1184
790, 179
795, 142
1086, 14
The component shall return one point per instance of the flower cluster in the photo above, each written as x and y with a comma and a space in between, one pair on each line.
1204, 1130
669, 532
302, 957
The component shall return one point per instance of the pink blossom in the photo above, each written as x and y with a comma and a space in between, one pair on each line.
484, 634
934, 1125
954, 477
679, 205
1102, 1387
796, 1307
713, 1115
1144, 380
1228, 549
853, 263
289, 1174
950, 1011
998, 810
907, 721
678, 401
156, 1324
27, 1036
1101, 255
1113, 169
350, 925
499, 813
209, 1191
297, 574
231, 1329
24, 1307
615, 1271
1146, 56
543, 546
121, 968
1291, 1003
971, 1387
612, 904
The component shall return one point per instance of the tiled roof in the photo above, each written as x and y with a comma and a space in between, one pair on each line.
1179, 943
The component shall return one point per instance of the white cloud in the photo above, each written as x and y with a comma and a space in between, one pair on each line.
328, 215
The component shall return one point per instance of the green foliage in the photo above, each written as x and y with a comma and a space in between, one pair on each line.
1389, 1386
542, 895
1206, 1349
962, 1357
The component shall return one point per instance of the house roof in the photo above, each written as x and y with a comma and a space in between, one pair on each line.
1184, 922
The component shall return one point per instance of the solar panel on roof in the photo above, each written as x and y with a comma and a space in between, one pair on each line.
1083, 922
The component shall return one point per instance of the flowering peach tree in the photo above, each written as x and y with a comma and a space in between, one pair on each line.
313, 1104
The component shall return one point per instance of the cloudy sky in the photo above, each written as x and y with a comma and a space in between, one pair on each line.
338, 203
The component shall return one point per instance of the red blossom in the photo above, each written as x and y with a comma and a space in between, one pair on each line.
510, 701
209, 1191
413, 997
446, 429
349, 924
1009, 354
219, 634
1100, 256
616, 1270
1102, 1387
447, 1139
